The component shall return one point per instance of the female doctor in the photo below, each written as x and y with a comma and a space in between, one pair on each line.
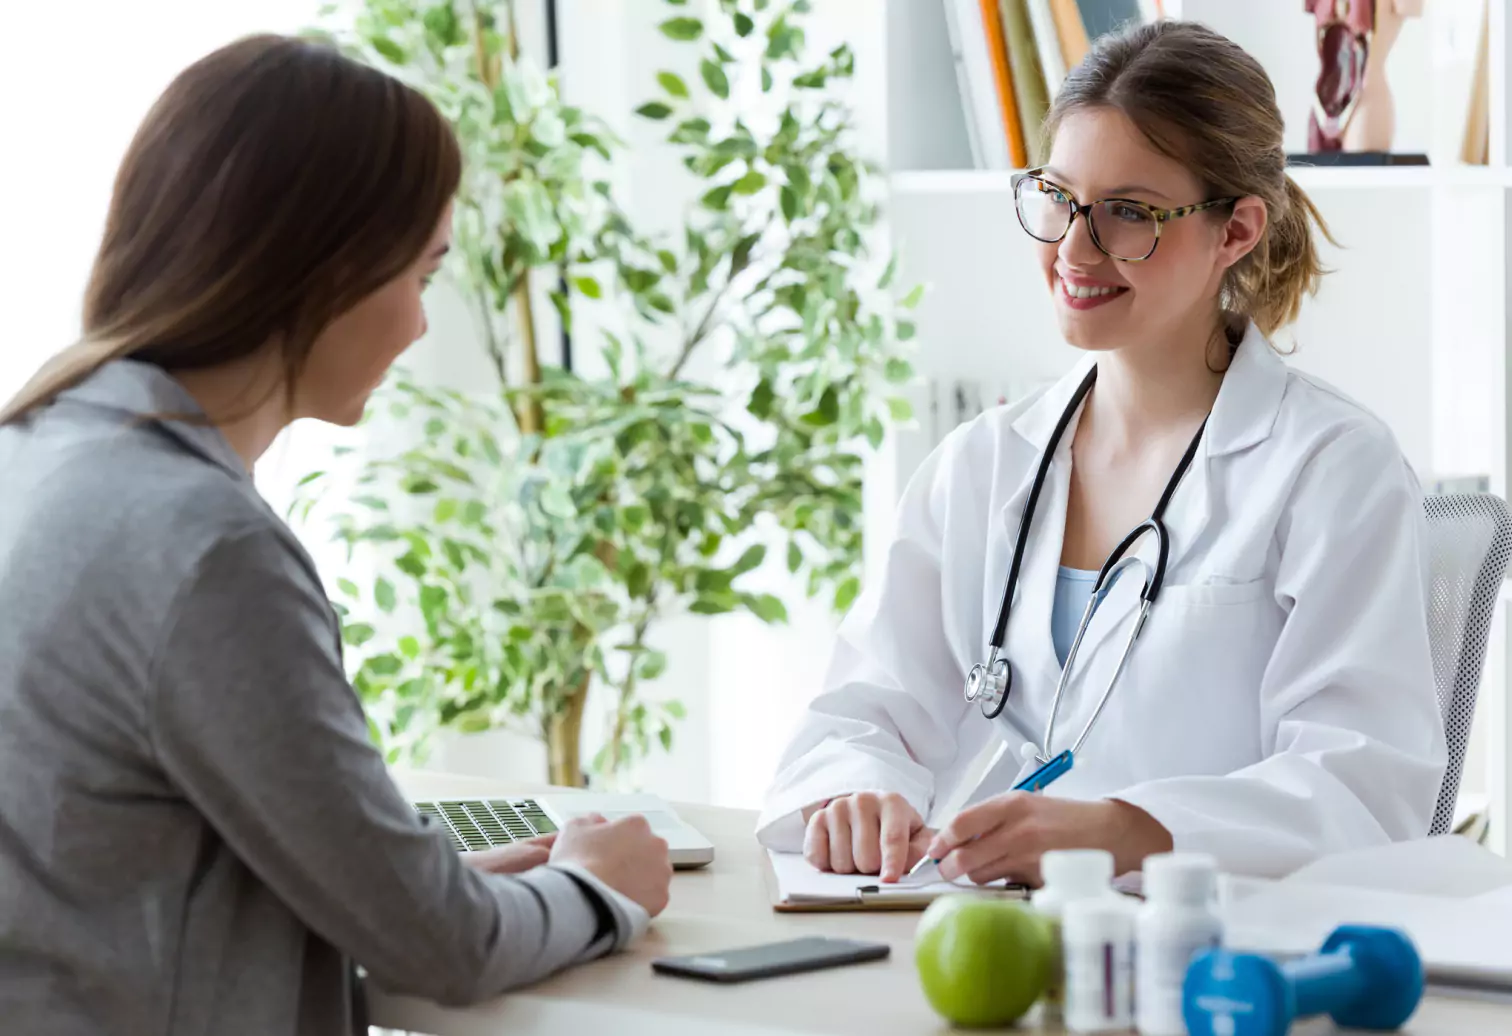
1278, 702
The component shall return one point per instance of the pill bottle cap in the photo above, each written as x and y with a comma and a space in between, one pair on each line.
1085, 871
1190, 878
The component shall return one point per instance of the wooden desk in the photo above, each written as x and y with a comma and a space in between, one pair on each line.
726, 905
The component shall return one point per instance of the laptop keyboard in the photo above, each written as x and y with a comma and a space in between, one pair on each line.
474, 824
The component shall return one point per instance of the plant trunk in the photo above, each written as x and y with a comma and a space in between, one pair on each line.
531, 417
564, 740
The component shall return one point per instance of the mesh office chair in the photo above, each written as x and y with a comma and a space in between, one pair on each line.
1470, 543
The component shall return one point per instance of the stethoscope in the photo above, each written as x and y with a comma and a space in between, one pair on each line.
990, 682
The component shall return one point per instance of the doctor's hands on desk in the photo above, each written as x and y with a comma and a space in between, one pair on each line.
866, 833
1002, 837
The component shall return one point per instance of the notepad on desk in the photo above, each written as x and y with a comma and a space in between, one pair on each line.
797, 886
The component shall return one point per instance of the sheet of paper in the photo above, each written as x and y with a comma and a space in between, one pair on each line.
1445, 865
1461, 940
798, 881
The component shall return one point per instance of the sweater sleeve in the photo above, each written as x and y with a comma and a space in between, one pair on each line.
253, 718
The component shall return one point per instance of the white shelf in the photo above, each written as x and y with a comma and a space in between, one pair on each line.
1311, 178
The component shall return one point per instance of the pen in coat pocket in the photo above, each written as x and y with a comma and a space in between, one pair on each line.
1038, 780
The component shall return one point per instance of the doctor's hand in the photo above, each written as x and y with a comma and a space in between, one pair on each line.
866, 833
1004, 836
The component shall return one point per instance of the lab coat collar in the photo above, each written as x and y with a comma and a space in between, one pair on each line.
1243, 414
1249, 399
145, 391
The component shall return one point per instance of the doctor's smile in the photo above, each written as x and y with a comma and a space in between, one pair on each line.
1175, 600
1083, 293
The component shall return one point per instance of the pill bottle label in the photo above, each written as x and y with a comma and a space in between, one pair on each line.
1099, 987
1160, 973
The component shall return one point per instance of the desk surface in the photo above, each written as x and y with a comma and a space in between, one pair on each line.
726, 905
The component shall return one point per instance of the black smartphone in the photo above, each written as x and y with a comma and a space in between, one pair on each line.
770, 959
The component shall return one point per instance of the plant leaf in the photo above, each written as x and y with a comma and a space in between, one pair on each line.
589, 286
384, 596
654, 110
790, 206
751, 559
384, 665
651, 665
714, 78
684, 29
718, 198
743, 24
389, 49
846, 592
750, 183
672, 83
768, 608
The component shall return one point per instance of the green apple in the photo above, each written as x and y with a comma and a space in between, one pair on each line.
982, 960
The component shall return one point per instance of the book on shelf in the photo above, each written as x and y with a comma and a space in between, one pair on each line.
1104, 16
1047, 40
1011, 57
1029, 84
1002, 81
975, 79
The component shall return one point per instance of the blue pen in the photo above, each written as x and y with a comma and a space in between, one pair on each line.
1039, 780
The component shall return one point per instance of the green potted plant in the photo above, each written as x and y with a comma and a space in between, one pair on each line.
526, 542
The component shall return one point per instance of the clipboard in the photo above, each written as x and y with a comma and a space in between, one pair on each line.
794, 887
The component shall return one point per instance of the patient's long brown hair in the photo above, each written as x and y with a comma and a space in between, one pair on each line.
274, 184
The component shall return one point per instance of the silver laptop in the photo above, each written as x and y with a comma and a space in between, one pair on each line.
474, 823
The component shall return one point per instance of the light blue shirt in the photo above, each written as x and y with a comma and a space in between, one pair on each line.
1073, 586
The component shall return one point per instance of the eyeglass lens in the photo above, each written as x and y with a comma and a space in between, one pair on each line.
1122, 229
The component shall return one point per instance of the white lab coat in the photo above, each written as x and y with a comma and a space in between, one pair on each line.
1279, 704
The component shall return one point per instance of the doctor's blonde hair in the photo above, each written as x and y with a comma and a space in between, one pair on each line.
1203, 100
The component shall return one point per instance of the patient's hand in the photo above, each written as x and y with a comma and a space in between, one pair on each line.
866, 833
514, 858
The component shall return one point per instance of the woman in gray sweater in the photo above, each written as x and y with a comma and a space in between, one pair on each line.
195, 834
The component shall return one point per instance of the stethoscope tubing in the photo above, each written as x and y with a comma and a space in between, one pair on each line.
997, 667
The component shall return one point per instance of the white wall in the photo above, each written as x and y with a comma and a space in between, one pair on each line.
76, 81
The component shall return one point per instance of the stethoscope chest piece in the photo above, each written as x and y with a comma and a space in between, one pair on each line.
988, 684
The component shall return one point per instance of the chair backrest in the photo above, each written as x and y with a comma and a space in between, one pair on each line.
1470, 543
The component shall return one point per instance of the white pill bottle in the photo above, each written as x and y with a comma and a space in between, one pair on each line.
1069, 875
1178, 920
1098, 934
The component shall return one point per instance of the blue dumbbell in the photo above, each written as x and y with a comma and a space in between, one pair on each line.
1363, 977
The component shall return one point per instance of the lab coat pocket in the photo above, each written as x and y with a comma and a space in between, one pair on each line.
1212, 594
1195, 679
